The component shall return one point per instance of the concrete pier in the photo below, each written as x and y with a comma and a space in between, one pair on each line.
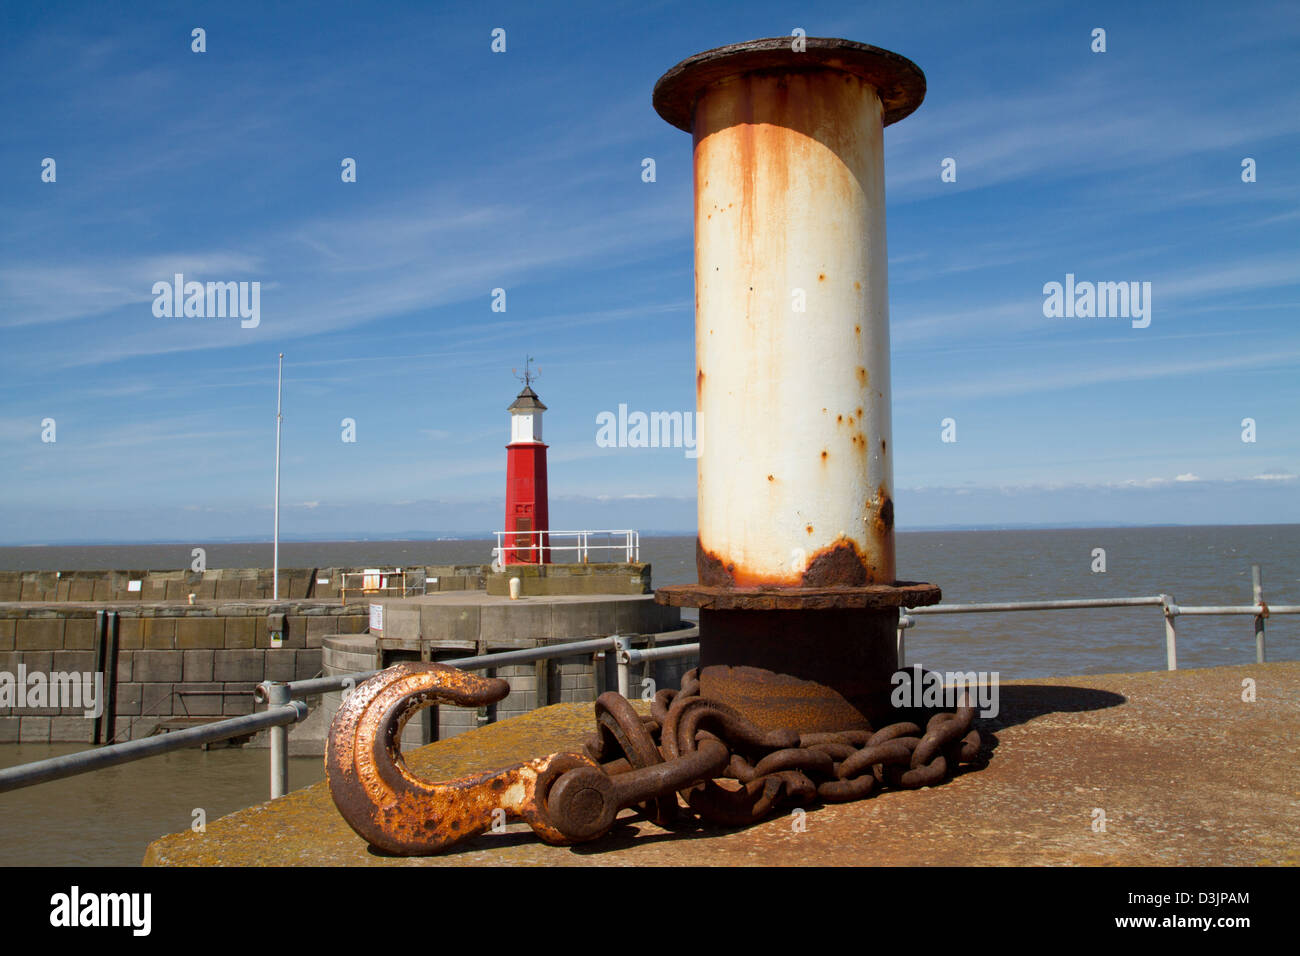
1184, 770
445, 626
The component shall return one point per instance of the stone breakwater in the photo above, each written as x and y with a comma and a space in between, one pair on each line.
178, 660
171, 663
217, 584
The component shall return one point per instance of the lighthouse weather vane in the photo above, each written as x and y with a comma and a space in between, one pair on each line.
530, 374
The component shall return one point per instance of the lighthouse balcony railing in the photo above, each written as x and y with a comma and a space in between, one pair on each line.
376, 582
621, 542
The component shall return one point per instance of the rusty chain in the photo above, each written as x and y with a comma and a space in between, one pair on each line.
686, 734
684, 747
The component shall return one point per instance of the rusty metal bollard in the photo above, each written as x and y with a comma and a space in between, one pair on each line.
795, 556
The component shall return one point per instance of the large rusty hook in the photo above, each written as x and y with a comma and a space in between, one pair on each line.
390, 807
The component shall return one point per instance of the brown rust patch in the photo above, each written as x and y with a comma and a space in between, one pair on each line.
882, 522
863, 377
770, 478
711, 570
792, 597
857, 286
839, 418
825, 454
809, 529
821, 277
839, 564
857, 329
883, 446
699, 383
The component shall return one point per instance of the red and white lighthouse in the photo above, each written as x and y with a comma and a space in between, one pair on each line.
526, 504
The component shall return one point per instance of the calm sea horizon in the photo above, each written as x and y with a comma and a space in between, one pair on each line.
1196, 564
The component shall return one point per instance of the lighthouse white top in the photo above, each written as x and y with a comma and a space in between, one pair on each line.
526, 417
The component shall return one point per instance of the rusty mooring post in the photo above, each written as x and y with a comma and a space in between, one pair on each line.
795, 555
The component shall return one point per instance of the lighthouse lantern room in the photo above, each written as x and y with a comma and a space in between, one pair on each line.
527, 517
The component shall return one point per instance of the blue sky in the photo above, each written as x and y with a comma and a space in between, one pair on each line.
522, 170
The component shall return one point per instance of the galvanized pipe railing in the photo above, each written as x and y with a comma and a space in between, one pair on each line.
284, 707
1170, 609
285, 704
69, 765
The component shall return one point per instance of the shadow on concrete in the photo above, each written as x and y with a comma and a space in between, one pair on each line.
638, 831
484, 843
1021, 703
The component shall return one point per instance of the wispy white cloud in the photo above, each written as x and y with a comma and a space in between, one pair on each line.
1087, 122
1124, 484
1006, 382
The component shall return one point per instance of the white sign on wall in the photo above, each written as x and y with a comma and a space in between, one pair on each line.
376, 617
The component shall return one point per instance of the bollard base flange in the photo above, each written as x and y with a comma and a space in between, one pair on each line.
869, 596
819, 671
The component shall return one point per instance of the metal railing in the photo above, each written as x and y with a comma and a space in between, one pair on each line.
378, 581
544, 541
1169, 608
285, 703
285, 706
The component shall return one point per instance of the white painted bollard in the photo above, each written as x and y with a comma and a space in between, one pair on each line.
516, 587
792, 307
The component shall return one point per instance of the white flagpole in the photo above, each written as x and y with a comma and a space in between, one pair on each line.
275, 569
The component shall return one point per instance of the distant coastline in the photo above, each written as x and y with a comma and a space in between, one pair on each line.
468, 536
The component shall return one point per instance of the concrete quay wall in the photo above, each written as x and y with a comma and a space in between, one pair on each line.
444, 627
1187, 772
551, 579
145, 587
172, 661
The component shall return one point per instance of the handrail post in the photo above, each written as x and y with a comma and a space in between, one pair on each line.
904, 622
277, 696
624, 664
1170, 610
1257, 590
101, 729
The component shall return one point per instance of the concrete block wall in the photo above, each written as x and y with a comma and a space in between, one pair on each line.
217, 584
43, 724
556, 579
172, 661
523, 623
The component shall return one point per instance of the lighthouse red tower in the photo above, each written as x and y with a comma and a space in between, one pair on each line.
526, 503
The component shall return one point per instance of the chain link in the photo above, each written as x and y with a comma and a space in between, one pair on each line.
688, 743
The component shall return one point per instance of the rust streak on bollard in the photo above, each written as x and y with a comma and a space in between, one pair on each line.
795, 554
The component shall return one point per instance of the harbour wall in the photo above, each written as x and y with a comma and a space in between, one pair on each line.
174, 662
170, 661
217, 584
